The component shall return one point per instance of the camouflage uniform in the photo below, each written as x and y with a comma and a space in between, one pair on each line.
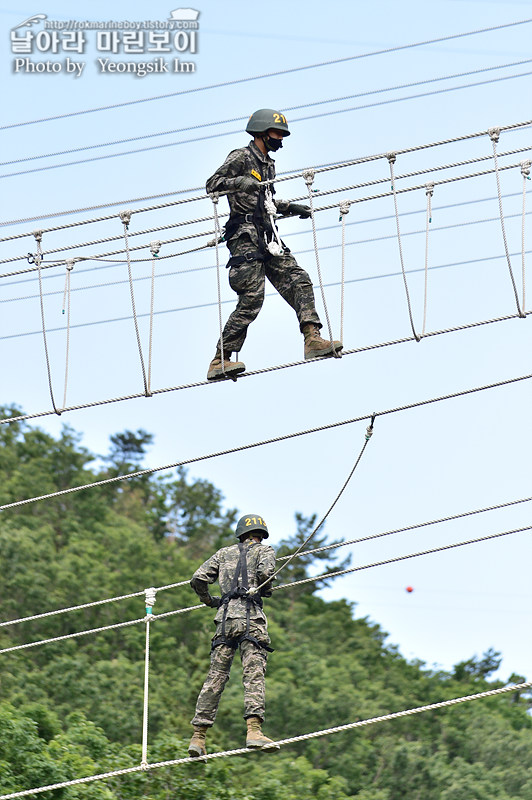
247, 278
222, 566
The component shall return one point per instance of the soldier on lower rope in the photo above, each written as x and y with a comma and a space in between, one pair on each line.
240, 623
256, 250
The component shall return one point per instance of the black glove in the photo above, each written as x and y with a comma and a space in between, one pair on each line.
246, 184
295, 209
216, 602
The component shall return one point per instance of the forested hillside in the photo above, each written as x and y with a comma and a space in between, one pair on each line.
74, 708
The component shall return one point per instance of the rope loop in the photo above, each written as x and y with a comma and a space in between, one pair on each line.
308, 176
525, 168
391, 160
344, 208
150, 596
155, 248
494, 134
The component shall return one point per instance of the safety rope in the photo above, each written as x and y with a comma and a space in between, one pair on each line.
344, 210
494, 134
37, 258
525, 172
308, 177
272, 440
217, 239
125, 217
391, 160
315, 579
367, 437
429, 191
515, 687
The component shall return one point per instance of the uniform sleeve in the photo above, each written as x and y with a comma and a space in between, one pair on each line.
204, 575
224, 178
265, 569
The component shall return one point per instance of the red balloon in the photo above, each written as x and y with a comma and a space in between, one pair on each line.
409, 589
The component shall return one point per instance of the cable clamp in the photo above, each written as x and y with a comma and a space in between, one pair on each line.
429, 189
369, 429
125, 216
392, 157
214, 197
155, 248
150, 594
69, 263
344, 208
494, 134
525, 168
308, 176
38, 236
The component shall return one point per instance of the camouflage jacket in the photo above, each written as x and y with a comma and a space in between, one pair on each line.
222, 567
251, 162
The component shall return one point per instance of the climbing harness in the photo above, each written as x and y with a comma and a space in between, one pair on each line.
391, 160
308, 177
240, 590
494, 134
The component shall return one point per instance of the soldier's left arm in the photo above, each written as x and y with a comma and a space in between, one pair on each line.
266, 568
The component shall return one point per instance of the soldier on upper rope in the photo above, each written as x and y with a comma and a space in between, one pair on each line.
256, 250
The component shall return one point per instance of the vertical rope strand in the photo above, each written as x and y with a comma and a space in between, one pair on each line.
308, 176
150, 595
38, 259
154, 248
344, 209
429, 192
391, 160
125, 216
525, 172
66, 301
494, 136
217, 239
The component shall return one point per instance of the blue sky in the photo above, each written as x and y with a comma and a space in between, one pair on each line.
438, 460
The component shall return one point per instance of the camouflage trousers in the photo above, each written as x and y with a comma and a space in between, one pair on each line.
248, 281
253, 672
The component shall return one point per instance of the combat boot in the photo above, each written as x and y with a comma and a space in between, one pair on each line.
315, 346
230, 368
196, 747
256, 738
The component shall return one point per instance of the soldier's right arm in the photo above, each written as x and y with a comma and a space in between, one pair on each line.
223, 179
204, 575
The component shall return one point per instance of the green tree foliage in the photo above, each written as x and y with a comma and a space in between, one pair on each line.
74, 708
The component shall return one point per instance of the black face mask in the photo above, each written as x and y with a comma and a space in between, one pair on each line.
272, 144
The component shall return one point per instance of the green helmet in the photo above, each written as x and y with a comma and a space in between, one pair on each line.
266, 119
251, 522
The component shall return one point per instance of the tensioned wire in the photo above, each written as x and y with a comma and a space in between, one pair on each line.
313, 551
343, 60
293, 175
232, 133
314, 579
322, 193
262, 443
383, 218
516, 687
287, 108
264, 370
